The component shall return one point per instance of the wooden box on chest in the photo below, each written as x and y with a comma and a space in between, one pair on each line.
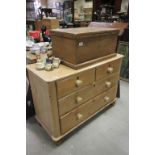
66, 98
78, 47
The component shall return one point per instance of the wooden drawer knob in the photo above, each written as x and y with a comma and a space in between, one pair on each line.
110, 69
79, 83
108, 84
79, 116
106, 98
79, 99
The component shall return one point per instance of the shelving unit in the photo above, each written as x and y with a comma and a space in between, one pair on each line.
30, 10
83, 12
30, 14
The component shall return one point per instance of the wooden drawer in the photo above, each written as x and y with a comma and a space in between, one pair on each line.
73, 100
108, 69
83, 112
75, 82
107, 83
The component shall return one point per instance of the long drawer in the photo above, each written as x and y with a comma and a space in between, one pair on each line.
75, 82
75, 99
84, 111
108, 69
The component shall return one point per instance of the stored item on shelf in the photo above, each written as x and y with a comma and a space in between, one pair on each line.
35, 34
35, 49
29, 42
75, 46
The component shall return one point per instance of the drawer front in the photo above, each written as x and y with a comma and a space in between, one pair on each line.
83, 112
108, 69
75, 82
73, 100
107, 83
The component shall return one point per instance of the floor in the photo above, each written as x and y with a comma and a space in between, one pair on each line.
106, 134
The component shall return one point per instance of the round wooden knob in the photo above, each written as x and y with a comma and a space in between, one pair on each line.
79, 99
110, 69
79, 116
78, 83
108, 84
106, 98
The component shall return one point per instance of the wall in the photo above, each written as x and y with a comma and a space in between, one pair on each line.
80, 13
47, 3
50, 1
124, 5
82, 3
43, 3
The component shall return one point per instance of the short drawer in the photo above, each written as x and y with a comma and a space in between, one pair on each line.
70, 84
83, 112
108, 69
75, 99
107, 83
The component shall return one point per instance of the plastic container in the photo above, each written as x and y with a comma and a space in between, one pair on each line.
35, 34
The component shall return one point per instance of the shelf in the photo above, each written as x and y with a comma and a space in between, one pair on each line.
88, 8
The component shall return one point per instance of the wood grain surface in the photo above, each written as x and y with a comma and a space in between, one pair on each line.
64, 71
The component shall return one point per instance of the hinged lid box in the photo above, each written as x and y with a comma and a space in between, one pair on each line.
81, 46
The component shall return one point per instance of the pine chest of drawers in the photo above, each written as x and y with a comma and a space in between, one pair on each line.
65, 98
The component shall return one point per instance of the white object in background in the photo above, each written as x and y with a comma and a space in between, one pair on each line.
40, 65
48, 67
35, 49
56, 62
46, 43
29, 42
51, 18
41, 44
80, 43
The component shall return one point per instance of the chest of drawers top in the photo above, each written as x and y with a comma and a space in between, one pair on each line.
64, 71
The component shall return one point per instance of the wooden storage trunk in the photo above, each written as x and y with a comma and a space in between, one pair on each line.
78, 47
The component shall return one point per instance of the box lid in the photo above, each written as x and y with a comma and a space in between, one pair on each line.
84, 32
